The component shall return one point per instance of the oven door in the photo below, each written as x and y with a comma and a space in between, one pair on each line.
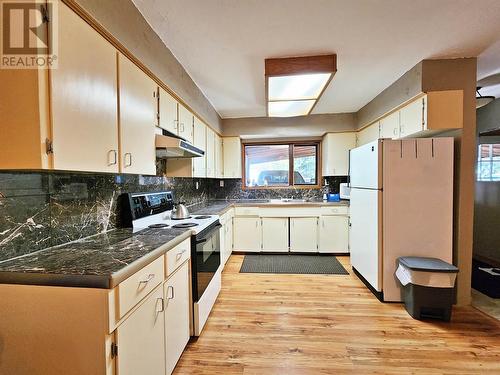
205, 258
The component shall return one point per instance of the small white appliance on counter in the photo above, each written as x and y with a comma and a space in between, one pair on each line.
345, 191
401, 205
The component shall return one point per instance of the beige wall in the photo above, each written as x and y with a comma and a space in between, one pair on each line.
405, 88
276, 127
122, 19
460, 74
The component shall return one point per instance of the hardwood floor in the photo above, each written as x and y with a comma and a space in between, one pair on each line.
490, 306
331, 324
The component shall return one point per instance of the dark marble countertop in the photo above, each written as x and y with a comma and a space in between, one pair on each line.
218, 207
100, 261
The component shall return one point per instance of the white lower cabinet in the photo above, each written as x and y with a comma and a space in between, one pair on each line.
222, 243
275, 234
334, 234
228, 240
304, 234
247, 234
226, 236
140, 339
176, 297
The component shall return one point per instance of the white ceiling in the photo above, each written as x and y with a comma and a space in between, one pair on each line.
223, 43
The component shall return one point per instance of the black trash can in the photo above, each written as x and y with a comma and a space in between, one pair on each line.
427, 287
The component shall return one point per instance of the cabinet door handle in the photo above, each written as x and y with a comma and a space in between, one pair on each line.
176, 124
115, 157
182, 127
130, 159
150, 277
179, 254
170, 295
161, 301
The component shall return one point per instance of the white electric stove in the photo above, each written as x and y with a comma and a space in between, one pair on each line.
153, 210
196, 223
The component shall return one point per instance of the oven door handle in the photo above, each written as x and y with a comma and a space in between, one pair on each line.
206, 239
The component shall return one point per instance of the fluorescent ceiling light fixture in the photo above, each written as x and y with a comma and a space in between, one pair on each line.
303, 86
290, 108
295, 84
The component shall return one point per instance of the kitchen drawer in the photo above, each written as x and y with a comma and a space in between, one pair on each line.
132, 290
246, 211
286, 211
335, 210
176, 256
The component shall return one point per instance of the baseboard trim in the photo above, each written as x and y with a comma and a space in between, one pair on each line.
376, 293
286, 253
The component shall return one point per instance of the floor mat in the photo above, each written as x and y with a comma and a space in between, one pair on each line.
297, 264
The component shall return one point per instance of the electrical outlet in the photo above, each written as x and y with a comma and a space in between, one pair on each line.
197, 185
221, 183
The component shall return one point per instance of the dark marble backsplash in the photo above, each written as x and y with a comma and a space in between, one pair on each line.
233, 190
42, 209
39, 209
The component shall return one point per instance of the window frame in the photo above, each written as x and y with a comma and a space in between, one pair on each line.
489, 162
291, 145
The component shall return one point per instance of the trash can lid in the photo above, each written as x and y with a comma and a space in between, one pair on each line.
427, 264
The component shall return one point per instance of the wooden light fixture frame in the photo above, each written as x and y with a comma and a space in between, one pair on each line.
289, 66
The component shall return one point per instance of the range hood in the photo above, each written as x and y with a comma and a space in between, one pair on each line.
171, 147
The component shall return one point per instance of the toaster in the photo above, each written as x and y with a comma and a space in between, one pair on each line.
345, 191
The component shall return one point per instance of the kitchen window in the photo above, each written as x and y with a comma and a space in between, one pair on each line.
488, 162
281, 165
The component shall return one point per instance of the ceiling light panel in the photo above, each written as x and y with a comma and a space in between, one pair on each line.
297, 87
294, 84
290, 108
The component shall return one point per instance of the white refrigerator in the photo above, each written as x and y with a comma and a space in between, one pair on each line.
401, 205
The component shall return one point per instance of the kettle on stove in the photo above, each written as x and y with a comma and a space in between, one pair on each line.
179, 212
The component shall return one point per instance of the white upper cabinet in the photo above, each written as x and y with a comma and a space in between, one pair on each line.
210, 153
219, 158
200, 141
137, 119
431, 113
174, 117
84, 99
368, 134
231, 147
389, 126
335, 153
185, 123
167, 112
411, 118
